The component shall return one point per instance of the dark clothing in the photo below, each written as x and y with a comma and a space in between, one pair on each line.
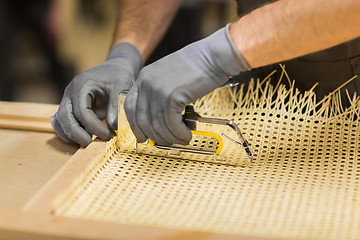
246, 6
23, 33
330, 67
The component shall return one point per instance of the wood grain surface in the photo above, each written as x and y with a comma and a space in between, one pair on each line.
27, 116
30, 151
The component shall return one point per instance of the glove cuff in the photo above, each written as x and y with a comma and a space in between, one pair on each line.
127, 51
224, 53
243, 63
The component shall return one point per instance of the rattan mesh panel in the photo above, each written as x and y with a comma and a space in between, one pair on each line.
303, 182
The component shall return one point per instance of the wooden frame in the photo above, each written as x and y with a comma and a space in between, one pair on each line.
36, 221
27, 116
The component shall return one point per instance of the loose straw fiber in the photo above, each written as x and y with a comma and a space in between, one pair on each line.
303, 182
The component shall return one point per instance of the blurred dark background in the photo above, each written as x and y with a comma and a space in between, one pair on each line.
45, 43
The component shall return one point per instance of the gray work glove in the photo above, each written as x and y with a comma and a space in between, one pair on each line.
93, 95
154, 104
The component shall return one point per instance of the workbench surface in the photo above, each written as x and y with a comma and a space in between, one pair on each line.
28, 159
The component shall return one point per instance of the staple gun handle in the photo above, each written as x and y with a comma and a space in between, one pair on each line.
201, 133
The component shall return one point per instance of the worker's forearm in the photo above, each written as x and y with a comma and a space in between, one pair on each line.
291, 28
143, 23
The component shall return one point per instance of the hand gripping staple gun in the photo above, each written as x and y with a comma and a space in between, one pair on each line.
214, 140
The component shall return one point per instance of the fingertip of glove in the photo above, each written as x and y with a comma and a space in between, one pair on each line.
104, 135
141, 138
185, 141
112, 121
58, 129
84, 140
107, 136
113, 125
52, 122
85, 144
185, 136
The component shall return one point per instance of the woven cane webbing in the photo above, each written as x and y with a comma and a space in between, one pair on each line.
303, 182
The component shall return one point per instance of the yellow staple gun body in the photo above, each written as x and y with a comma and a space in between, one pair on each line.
214, 140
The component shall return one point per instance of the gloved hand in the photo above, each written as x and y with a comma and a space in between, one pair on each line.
154, 104
93, 95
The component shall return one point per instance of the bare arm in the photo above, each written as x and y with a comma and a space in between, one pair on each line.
143, 23
291, 28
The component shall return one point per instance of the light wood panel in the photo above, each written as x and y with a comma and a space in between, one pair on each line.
27, 116
28, 158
